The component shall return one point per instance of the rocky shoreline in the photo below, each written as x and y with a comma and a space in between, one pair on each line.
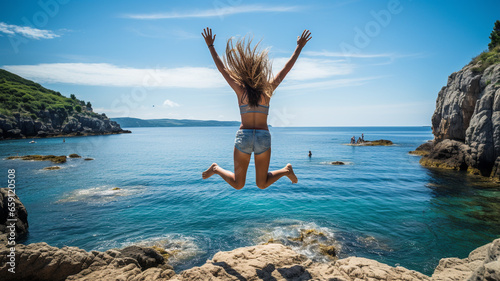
270, 261
466, 124
39, 261
53, 123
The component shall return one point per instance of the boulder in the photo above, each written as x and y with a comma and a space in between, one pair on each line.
20, 213
146, 257
447, 154
482, 264
423, 149
40, 261
278, 262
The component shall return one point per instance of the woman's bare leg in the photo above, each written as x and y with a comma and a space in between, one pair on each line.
264, 178
236, 179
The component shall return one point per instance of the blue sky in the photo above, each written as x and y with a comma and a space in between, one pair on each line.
369, 63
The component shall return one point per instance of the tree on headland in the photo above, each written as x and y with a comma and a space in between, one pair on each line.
73, 97
495, 36
89, 105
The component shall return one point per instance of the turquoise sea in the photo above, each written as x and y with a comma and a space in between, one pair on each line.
381, 205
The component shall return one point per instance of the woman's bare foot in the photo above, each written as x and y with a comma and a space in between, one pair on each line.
209, 172
291, 175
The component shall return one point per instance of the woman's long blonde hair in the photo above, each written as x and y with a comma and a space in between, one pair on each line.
251, 68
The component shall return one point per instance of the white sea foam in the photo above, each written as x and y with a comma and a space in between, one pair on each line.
100, 194
179, 247
306, 238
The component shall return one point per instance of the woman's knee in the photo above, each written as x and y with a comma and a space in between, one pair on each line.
239, 184
261, 184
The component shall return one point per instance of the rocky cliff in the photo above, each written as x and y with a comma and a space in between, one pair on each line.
466, 122
56, 123
29, 110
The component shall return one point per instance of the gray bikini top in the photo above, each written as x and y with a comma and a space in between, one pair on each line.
259, 109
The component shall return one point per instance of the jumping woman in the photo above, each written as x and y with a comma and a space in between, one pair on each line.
248, 72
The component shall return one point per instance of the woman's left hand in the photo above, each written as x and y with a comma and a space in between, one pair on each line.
207, 34
304, 38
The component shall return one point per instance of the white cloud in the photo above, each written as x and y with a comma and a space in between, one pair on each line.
26, 31
217, 12
329, 84
169, 103
103, 74
308, 68
346, 55
390, 56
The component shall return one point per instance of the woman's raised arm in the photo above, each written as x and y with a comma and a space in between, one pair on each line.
301, 42
209, 39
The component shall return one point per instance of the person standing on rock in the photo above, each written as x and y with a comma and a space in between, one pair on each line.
248, 71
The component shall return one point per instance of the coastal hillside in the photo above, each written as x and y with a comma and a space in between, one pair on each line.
466, 122
29, 110
128, 122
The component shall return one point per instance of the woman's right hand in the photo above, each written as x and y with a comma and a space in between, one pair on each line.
207, 34
304, 38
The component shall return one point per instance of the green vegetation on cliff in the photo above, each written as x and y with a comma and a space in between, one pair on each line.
486, 59
495, 36
19, 95
492, 55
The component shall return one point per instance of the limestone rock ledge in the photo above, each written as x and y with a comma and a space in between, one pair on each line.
278, 262
466, 123
40, 261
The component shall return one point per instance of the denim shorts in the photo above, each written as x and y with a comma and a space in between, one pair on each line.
252, 140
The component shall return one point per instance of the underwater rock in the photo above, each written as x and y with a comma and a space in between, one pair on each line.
337, 163
74, 155
53, 158
52, 168
88, 159
328, 250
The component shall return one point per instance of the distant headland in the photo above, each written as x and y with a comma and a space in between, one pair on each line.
28, 110
129, 122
